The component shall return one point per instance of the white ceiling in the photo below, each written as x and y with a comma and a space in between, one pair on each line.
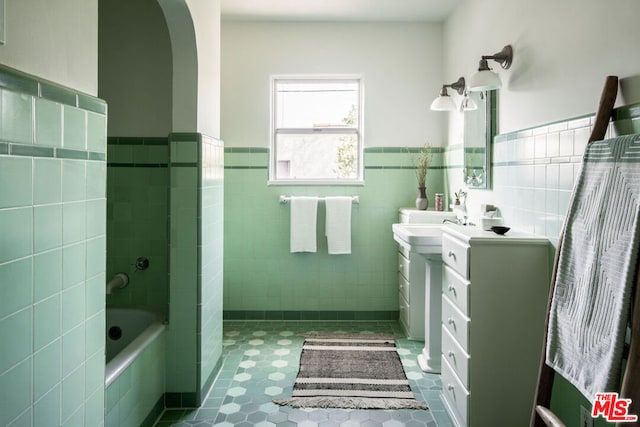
338, 10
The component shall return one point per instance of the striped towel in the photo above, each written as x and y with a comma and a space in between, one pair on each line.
596, 267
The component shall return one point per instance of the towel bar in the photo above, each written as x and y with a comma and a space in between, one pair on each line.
287, 199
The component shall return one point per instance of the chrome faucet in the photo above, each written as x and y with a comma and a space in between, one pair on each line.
457, 221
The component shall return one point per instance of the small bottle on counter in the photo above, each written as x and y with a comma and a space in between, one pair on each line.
439, 201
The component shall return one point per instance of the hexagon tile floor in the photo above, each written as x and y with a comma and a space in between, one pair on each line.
261, 363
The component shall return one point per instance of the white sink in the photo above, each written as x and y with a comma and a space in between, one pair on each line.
419, 238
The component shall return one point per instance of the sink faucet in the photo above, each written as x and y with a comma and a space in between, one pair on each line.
457, 221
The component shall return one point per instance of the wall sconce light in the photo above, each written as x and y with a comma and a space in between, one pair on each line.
485, 79
444, 101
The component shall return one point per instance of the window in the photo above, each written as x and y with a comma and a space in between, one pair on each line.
316, 130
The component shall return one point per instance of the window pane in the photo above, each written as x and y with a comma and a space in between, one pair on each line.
317, 156
316, 103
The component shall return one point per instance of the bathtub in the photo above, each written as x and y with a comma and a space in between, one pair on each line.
135, 366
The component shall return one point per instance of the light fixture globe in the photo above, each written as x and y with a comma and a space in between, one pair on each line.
443, 103
485, 79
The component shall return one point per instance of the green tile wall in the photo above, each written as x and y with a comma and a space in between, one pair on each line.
52, 254
137, 219
195, 269
210, 252
262, 279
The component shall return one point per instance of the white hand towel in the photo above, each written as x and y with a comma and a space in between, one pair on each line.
338, 225
304, 211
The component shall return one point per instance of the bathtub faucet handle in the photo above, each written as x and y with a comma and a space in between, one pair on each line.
141, 264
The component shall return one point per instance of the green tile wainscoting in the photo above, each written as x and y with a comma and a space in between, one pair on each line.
137, 224
263, 280
196, 197
52, 253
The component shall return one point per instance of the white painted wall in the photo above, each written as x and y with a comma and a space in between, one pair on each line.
563, 50
400, 62
54, 40
206, 23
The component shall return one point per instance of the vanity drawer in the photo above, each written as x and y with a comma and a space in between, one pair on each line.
404, 251
404, 287
403, 266
456, 356
454, 393
456, 255
456, 323
456, 289
404, 312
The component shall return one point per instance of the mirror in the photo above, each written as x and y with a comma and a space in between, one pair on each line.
479, 129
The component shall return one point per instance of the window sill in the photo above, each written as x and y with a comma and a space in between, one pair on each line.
307, 183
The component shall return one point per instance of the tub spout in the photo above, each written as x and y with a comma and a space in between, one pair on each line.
118, 281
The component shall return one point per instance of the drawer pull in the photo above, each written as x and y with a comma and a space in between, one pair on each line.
452, 254
451, 322
451, 289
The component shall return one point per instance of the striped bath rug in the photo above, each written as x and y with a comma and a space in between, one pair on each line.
351, 371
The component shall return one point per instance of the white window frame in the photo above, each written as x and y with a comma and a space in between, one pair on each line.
359, 179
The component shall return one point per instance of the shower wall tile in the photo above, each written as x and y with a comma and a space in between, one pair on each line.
72, 394
17, 117
20, 294
46, 368
72, 298
47, 321
210, 248
47, 408
47, 274
75, 128
16, 386
16, 347
16, 226
73, 180
194, 340
47, 181
48, 123
93, 339
43, 259
73, 264
136, 217
96, 132
18, 172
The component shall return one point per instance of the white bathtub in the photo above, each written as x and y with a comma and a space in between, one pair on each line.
135, 371
129, 332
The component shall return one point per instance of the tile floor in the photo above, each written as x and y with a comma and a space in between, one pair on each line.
261, 363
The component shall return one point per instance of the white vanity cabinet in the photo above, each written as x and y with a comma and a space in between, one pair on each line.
494, 300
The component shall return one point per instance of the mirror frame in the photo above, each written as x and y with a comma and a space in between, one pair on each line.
490, 131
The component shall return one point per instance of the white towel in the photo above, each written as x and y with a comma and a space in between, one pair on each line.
304, 212
596, 267
338, 225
